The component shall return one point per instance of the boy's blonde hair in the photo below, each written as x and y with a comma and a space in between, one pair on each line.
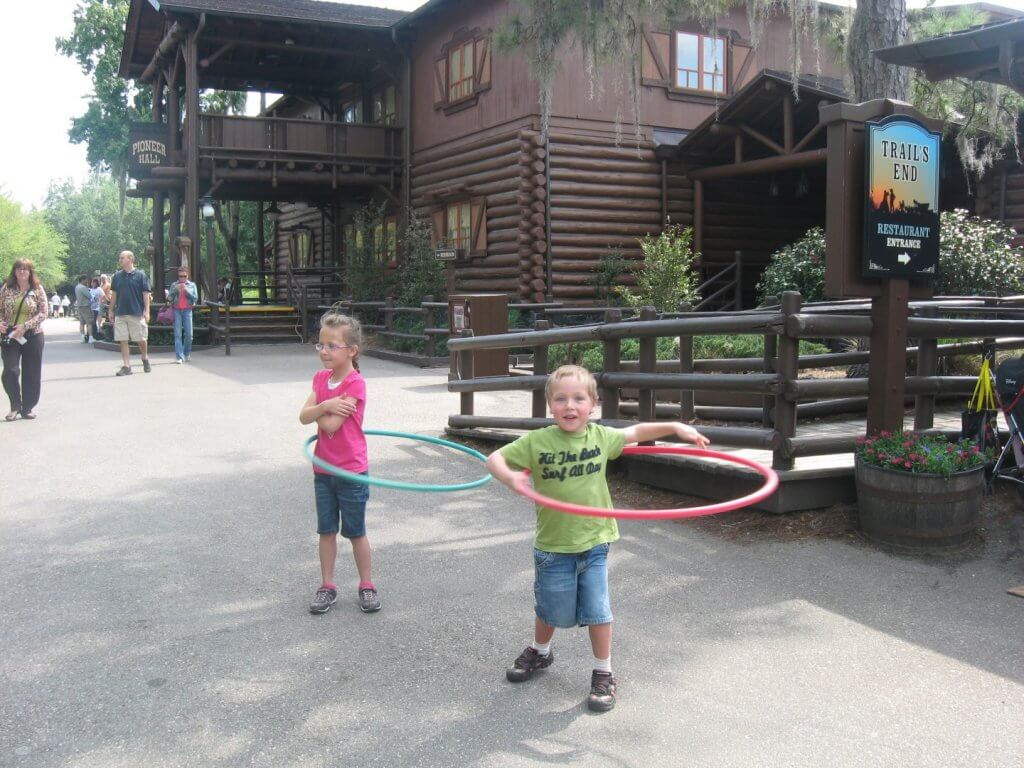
350, 328
571, 372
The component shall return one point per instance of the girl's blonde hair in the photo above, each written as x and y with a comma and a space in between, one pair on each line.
571, 372
350, 328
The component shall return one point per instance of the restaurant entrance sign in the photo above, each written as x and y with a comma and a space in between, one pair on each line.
901, 209
148, 148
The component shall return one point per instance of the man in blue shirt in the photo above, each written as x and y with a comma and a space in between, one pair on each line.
129, 310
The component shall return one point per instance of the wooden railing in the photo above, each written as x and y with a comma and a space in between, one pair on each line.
284, 138
723, 291
218, 331
774, 376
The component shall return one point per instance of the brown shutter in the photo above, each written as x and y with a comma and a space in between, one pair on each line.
437, 227
478, 227
482, 74
656, 55
440, 82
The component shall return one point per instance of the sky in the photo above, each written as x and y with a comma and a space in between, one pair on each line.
48, 90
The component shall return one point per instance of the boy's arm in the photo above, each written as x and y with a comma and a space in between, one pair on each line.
652, 430
498, 466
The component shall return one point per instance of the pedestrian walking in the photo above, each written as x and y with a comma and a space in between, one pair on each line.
22, 312
83, 308
182, 297
130, 296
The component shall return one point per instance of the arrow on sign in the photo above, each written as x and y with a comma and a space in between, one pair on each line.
903, 258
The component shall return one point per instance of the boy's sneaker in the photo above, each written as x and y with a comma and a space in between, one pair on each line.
324, 598
602, 692
124, 370
528, 662
145, 365
369, 601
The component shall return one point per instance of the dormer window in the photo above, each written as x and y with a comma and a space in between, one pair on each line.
700, 62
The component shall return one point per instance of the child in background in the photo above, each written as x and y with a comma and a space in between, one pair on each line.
337, 404
568, 461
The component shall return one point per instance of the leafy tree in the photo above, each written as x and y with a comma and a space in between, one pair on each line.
91, 222
667, 275
419, 273
95, 43
29, 236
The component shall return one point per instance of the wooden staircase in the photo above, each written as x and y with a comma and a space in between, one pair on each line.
260, 325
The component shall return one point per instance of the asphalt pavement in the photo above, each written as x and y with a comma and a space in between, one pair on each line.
158, 554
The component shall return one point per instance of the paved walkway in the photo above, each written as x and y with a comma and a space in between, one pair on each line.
157, 555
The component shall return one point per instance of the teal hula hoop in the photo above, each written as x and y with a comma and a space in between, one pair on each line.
399, 485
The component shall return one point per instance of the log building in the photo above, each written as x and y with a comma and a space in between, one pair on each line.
419, 111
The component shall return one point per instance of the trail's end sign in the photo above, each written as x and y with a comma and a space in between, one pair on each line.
901, 209
148, 148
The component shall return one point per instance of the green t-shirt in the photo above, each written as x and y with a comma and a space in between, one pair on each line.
569, 468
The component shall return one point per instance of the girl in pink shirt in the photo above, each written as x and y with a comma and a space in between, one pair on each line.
336, 404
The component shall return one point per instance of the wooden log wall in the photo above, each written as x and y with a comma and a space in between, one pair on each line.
506, 169
989, 203
605, 197
740, 215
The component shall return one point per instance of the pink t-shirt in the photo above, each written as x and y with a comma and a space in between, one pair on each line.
346, 448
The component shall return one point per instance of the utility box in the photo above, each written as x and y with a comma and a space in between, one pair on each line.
483, 314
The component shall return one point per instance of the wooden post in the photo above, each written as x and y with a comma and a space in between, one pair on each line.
540, 368
887, 372
612, 362
157, 226
771, 351
698, 220
192, 155
465, 372
648, 364
738, 288
686, 409
389, 316
927, 356
261, 264
785, 410
428, 317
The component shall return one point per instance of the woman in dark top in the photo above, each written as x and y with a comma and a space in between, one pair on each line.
23, 308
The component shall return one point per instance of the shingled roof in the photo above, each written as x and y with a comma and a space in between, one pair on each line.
295, 10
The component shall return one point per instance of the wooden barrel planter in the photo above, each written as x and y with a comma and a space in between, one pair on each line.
919, 511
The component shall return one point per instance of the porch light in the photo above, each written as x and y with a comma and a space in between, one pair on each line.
773, 187
300, 205
206, 208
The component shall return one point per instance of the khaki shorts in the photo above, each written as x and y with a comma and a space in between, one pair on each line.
130, 328
85, 315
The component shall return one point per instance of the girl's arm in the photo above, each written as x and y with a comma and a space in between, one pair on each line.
640, 433
498, 466
311, 410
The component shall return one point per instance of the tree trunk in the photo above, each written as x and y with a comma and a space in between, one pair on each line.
877, 24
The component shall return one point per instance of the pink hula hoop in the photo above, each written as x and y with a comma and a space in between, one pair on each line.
771, 483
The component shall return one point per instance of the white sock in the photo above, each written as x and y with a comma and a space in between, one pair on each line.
603, 665
542, 648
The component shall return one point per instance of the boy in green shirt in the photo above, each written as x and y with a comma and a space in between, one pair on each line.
568, 462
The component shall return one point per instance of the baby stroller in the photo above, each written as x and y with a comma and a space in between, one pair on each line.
1009, 386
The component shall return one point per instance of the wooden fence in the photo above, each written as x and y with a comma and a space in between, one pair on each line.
775, 377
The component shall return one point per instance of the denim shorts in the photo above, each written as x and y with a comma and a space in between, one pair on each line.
572, 589
340, 499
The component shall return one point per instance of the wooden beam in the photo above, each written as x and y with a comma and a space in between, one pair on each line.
764, 165
808, 138
756, 134
787, 122
169, 43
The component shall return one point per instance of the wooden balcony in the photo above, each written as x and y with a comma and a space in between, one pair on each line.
247, 150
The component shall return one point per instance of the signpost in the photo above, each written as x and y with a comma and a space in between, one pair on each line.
448, 254
148, 148
882, 230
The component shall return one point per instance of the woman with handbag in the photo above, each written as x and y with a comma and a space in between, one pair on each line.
23, 308
181, 298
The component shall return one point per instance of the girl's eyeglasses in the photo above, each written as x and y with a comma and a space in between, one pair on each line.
332, 347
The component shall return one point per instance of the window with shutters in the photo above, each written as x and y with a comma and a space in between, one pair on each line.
385, 240
352, 111
463, 70
459, 226
460, 72
384, 109
700, 62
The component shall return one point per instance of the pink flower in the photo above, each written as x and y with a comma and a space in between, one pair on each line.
907, 464
975, 449
885, 433
896, 460
908, 444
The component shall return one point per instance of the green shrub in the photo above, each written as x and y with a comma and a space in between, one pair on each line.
976, 257
365, 273
611, 266
590, 354
667, 275
418, 273
797, 267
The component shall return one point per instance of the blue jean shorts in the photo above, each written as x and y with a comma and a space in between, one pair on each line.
338, 499
572, 589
